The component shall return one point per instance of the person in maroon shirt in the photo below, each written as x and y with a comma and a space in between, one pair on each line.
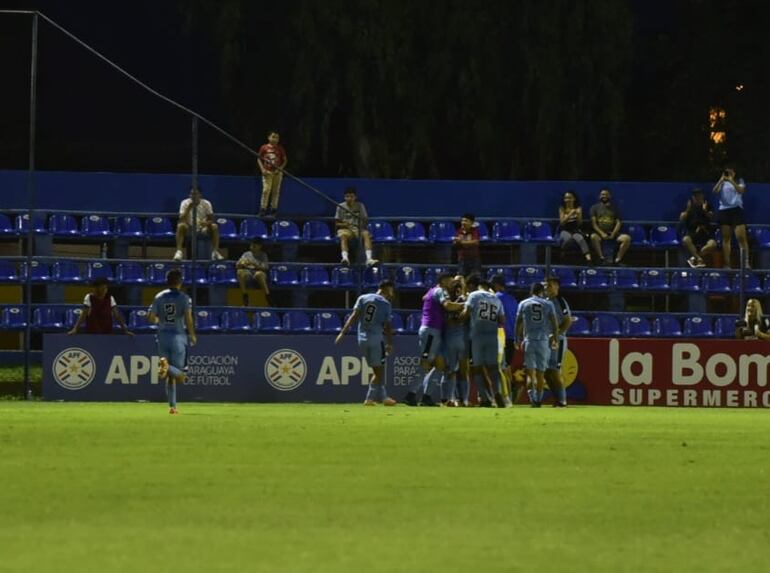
467, 242
271, 160
99, 310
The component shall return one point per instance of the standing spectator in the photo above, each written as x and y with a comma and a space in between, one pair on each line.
606, 222
730, 191
99, 308
253, 265
467, 242
205, 224
754, 325
698, 237
570, 222
351, 220
271, 159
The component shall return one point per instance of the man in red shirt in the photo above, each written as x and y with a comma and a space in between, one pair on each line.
99, 310
467, 243
272, 159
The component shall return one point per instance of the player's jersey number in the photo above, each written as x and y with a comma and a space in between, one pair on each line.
169, 313
537, 312
488, 311
369, 312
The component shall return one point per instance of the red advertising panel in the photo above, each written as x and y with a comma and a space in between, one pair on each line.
655, 372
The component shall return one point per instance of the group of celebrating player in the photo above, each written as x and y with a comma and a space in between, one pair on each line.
462, 338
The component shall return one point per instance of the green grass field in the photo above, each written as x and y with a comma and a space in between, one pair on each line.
108, 487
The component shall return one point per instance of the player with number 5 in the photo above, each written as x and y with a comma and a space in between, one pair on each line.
536, 326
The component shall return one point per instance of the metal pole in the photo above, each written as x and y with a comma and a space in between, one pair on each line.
194, 230
742, 279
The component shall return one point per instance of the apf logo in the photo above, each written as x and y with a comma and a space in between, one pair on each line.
285, 369
74, 369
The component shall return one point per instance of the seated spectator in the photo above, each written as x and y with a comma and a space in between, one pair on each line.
754, 325
467, 242
606, 222
696, 220
570, 223
99, 308
351, 220
205, 224
253, 266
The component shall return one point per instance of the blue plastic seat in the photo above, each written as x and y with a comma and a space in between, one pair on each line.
315, 276
139, 321
98, 269
159, 228
483, 230
752, 283
442, 232
664, 237
296, 321
382, 232
538, 232
253, 228
636, 326
685, 281
38, 224
227, 229
717, 281
626, 279
638, 235
605, 325
223, 273
267, 321
327, 322
48, 318
698, 327
655, 280
157, 272
761, 236
507, 232
198, 274
63, 225
6, 227
235, 320
67, 272
413, 323
409, 277
95, 226
281, 275
131, 274
373, 275
581, 327
397, 323
411, 232
39, 272
317, 231
431, 274
8, 272
507, 272
594, 279
724, 326
129, 226
666, 327
529, 275
207, 321
286, 231
345, 277
14, 318
71, 316
567, 277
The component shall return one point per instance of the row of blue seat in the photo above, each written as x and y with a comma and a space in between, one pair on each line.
160, 228
406, 276
53, 318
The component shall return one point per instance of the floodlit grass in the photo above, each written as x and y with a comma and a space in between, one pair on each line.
285, 488
16, 373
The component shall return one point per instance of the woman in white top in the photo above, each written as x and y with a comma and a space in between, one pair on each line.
730, 214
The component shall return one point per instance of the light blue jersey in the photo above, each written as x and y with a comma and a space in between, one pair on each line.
374, 312
485, 311
562, 312
171, 306
536, 314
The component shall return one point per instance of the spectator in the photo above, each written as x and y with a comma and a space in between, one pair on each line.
696, 220
253, 265
730, 191
99, 308
204, 213
467, 242
755, 325
271, 160
606, 222
351, 220
570, 223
